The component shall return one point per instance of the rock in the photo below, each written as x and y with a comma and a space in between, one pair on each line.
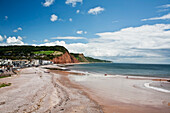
65, 58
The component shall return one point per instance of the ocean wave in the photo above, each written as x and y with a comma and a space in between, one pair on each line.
147, 85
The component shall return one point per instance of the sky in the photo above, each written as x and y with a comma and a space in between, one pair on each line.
123, 31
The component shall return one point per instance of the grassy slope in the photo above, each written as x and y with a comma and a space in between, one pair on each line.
30, 52
81, 58
44, 52
39, 52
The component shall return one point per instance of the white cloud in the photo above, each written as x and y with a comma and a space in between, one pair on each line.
73, 2
14, 41
19, 38
115, 21
60, 20
61, 43
165, 6
18, 29
53, 17
6, 17
48, 3
15, 30
1, 38
133, 44
70, 19
81, 32
163, 10
164, 17
46, 40
34, 40
68, 37
5, 36
78, 11
96, 10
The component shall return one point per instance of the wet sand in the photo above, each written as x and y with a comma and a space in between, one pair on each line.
121, 95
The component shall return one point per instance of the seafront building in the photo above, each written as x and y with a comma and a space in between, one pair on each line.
8, 65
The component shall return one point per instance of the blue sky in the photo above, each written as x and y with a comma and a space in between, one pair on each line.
118, 30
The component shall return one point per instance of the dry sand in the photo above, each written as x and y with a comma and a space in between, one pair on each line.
34, 90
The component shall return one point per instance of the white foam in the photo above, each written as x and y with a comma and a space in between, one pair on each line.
78, 78
75, 71
156, 88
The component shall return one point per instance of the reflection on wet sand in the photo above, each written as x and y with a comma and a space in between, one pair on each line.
120, 94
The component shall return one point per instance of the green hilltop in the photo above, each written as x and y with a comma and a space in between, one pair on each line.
40, 52
30, 52
82, 58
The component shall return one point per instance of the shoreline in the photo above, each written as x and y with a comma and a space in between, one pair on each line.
67, 91
121, 106
144, 77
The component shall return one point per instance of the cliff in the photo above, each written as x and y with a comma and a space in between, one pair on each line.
57, 54
65, 58
82, 58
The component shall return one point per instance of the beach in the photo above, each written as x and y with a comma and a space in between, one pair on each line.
120, 94
36, 89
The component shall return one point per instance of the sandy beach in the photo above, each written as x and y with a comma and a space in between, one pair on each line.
36, 90
120, 94
41, 90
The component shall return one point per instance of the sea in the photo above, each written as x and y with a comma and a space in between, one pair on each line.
150, 70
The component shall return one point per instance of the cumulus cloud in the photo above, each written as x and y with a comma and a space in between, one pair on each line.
73, 2
46, 40
133, 44
14, 40
164, 17
96, 10
53, 17
61, 43
6, 17
81, 32
47, 3
15, 30
18, 29
70, 19
69, 37
78, 11
1, 38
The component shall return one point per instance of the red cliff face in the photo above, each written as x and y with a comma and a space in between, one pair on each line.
65, 58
